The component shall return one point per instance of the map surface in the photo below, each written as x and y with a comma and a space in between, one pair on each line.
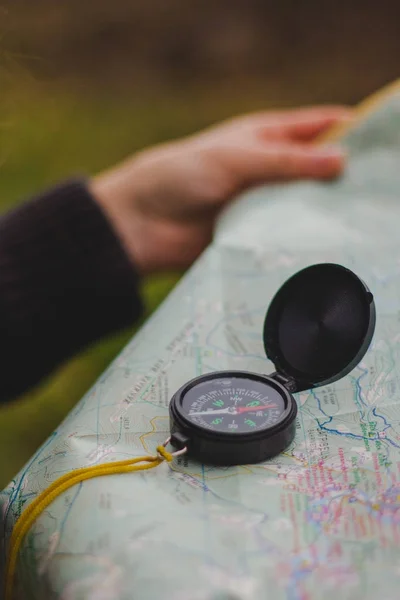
321, 520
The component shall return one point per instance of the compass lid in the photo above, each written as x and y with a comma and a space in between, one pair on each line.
319, 325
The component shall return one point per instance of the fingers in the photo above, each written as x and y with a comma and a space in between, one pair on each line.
301, 125
305, 124
287, 161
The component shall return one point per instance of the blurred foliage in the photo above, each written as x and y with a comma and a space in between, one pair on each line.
307, 51
82, 85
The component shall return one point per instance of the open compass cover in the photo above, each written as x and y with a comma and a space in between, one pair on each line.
321, 520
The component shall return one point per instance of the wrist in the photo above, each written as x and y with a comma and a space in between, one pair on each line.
116, 200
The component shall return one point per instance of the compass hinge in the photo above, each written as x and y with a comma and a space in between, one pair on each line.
287, 382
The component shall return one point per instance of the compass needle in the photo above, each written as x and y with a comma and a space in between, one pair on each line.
210, 412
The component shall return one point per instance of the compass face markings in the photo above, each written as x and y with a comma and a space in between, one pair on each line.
235, 405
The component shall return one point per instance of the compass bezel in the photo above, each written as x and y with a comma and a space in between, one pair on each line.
179, 413
226, 447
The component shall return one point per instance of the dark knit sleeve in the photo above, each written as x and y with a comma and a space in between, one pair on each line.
65, 282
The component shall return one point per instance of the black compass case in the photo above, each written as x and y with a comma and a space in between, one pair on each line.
318, 327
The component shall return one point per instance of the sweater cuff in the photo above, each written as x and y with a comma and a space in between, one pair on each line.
65, 281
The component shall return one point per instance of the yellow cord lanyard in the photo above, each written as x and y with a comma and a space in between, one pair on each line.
60, 485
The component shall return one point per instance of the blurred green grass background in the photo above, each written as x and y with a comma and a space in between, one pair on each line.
84, 85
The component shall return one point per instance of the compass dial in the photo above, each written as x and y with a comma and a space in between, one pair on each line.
233, 405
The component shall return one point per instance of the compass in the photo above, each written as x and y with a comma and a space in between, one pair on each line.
317, 329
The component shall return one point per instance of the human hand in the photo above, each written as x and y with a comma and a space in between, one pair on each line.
163, 201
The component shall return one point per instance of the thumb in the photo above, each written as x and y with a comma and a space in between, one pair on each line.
287, 161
